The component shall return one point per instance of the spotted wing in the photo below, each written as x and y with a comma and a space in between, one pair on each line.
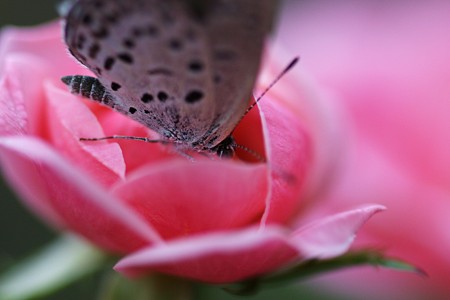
182, 68
236, 30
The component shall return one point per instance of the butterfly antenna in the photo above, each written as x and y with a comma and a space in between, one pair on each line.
288, 67
251, 152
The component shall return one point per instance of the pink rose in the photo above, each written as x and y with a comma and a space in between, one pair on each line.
388, 63
231, 219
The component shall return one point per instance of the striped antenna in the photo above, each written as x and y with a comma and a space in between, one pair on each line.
288, 67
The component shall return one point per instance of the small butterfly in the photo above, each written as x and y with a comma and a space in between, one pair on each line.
185, 69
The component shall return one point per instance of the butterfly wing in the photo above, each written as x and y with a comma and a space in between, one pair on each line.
236, 31
182, 68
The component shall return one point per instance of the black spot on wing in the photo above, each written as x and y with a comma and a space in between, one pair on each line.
87, 19
112, 18
146, 98
137, 31
160, 71
128, 43
162, 96
109, 63
80, 41
93, 51
100, 33
115, 86
152, 30
126, 57
175, 44
217, 78
196, 66
225, 55
194, 96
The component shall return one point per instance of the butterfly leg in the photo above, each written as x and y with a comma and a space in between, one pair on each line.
91, 88
88, 87
124, 137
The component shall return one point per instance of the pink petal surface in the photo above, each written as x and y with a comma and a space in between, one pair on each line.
181, 197
407, 230
395, 85
232, 256
44, 44
288, 148
390, 64
55, 188
22, 95
135, 154
313, 105
216, 258
332, 236
13, 113
70, 119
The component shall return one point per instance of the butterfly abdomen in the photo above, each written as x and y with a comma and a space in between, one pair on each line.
87, 86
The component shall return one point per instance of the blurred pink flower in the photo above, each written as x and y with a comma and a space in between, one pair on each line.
388, 65
211, 220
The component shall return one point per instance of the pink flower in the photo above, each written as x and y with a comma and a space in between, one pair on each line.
210, 220
388, 63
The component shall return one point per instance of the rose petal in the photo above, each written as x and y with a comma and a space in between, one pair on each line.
320, 117
70, 119
391, 67
288, 148
54, 188
333, 235
135, 153
13, 112
44, 44
215, 258
380, 82
181, 197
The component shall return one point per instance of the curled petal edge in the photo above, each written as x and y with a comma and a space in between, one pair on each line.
232, 256
216, 258
35, 151
333, 235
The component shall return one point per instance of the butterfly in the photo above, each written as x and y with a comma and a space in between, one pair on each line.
184, 69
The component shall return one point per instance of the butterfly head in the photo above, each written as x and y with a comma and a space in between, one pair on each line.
226, 148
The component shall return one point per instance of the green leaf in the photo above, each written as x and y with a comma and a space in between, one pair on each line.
54, 267
313, 267
297, 291
157, 286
